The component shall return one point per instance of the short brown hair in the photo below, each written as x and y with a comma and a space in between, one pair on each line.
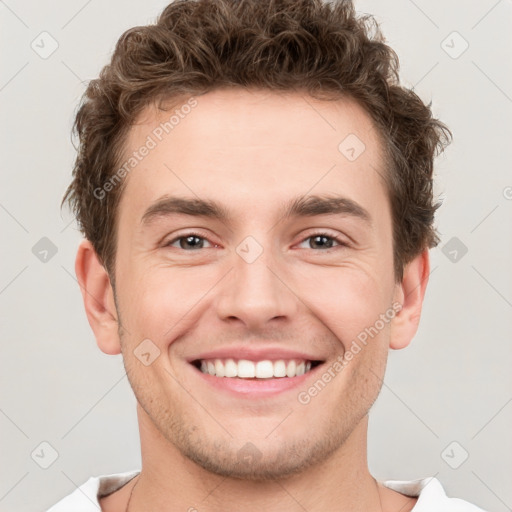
195, 46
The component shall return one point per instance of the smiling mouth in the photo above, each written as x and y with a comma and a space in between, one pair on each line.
255, 370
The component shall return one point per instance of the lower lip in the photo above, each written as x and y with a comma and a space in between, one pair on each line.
256, 388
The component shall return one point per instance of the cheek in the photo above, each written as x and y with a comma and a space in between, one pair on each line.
346, 299
158, 301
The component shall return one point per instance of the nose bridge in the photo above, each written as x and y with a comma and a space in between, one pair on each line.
256, 293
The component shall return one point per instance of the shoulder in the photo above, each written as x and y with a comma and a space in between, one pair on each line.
431, 496
86, 497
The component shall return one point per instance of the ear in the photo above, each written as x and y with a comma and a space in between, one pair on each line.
98, 297
410, 293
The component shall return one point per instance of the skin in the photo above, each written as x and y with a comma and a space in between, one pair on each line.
296, 294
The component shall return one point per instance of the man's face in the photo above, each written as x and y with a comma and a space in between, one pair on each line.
257, 285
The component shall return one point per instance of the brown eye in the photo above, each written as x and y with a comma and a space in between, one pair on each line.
323, 241
188, 242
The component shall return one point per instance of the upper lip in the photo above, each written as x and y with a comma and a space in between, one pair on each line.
254, 354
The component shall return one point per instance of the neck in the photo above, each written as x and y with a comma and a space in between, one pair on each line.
342, 482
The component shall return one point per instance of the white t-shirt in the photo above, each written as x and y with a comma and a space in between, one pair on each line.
429, 491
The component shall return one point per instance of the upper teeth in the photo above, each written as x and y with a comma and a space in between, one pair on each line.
244, 368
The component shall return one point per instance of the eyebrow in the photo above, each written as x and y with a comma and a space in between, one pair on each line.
302, 206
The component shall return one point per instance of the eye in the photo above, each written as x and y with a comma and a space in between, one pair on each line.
194, 241
324, 241
189, 242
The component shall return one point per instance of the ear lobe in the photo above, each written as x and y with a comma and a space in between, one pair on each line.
98, 297
410, 293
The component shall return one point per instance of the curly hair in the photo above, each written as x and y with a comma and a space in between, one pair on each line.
321, 48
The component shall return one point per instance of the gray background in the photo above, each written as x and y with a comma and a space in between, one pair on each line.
453, 384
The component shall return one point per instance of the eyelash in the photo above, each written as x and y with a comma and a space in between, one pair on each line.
336, 239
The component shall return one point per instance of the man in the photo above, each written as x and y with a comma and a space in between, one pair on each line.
255, 191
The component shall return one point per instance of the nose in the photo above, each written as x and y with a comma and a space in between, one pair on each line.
257, 292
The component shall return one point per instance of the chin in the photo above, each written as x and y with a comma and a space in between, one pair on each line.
257, 462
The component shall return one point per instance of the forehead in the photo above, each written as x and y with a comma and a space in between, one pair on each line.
258, 146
